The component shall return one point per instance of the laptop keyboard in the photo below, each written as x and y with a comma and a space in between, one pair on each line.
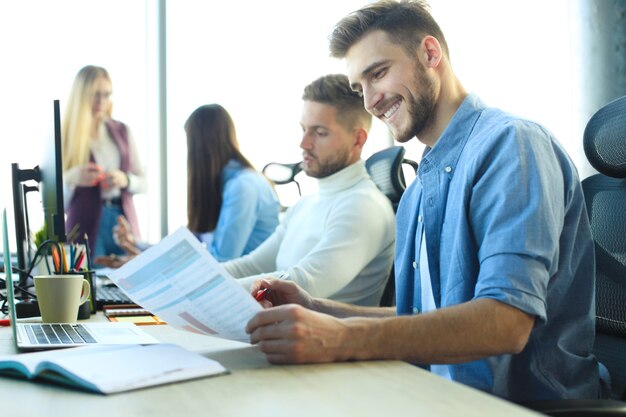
47, 334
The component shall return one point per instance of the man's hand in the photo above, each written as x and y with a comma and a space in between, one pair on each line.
281, 292
123, 236
292, 334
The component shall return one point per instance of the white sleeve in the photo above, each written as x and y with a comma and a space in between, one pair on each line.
357, 231
261, 261
137, 183
70, 179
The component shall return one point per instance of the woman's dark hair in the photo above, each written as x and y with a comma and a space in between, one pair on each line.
211, 144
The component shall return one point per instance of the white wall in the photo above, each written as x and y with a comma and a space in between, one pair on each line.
254, 63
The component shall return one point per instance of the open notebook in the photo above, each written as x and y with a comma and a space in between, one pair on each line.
38, 336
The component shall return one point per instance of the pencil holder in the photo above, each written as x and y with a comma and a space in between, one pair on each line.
84, 311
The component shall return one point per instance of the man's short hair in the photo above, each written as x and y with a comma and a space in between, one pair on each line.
334, 90
406, 23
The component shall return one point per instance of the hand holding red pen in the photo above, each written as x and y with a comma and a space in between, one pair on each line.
291, 333
275, 291
262, 294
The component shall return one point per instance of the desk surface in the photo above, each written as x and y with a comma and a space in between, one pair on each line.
256, 388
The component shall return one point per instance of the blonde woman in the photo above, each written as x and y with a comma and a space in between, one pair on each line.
101, 168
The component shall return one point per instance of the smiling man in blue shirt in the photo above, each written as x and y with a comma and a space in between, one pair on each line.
494, 256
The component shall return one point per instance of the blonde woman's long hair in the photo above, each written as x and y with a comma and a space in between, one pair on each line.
78, 118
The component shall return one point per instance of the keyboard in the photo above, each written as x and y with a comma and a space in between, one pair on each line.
111, 295
45, 334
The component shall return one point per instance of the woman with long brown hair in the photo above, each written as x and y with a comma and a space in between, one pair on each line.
230, 206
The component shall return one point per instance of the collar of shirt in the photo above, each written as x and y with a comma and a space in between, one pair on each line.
231, 169
450, 144
344, 179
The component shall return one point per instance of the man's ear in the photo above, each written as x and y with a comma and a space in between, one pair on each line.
360, 137
431, 52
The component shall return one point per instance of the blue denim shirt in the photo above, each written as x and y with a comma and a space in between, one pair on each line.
505, 219
248, 216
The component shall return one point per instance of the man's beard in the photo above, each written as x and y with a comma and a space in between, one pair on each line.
329, 167
420, 108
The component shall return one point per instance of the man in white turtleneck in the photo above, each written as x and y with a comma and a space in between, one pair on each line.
338, 243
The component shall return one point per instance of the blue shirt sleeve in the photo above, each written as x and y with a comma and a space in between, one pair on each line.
518, 227
237, 218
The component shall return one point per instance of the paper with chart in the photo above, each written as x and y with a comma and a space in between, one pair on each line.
179, 281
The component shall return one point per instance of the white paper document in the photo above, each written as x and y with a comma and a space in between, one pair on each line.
179, 281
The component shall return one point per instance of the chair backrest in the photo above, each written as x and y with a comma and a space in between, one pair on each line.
283, 173
605, 194
385, 169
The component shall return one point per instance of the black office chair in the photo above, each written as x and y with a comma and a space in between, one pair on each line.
283, 173
385, 169
605, 194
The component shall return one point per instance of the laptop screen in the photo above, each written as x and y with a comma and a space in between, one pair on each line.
8, 273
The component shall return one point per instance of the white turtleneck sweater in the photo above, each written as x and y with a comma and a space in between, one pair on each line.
335, 244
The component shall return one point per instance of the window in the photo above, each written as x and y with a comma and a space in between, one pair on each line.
50, 42
254, 58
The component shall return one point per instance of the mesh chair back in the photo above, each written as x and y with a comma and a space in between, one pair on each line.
385, 169
605, 195
605, 139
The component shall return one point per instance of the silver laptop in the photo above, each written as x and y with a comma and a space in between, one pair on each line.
38, 336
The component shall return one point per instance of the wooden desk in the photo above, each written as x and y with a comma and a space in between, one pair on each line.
256, 388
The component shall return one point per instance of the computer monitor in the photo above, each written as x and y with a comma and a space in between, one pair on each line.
21, 179
49, 175
51, 182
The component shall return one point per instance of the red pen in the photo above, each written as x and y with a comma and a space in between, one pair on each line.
5, 322
262, 294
